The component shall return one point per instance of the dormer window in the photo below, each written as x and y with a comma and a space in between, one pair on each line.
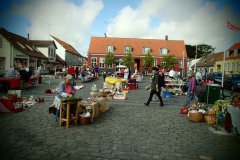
20, 45
163, 51
146, 50
110, 49
127, 49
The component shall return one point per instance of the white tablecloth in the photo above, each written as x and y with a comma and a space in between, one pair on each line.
235, 115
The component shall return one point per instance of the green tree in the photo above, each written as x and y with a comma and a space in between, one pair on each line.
169, 60
109, 59
127, 61
202, 50
148, 60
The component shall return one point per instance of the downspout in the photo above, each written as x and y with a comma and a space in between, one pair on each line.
11, 55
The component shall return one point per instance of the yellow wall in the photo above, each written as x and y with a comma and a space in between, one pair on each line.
232, 66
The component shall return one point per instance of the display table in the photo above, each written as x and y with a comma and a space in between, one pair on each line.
113, 80
235, 115
98, 106
67, 119
11, 83
47, 79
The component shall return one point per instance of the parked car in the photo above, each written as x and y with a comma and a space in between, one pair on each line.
216, 77
231, 82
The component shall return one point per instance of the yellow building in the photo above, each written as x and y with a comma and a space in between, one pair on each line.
232, 61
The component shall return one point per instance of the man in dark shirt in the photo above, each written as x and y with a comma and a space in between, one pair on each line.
154, 87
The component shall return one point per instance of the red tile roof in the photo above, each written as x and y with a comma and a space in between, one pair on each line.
99, 45
235, 46
42, 43
67, 46
22, 44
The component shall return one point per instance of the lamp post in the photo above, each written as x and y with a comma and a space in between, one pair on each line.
195, 66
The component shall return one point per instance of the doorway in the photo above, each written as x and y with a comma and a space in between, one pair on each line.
137, 61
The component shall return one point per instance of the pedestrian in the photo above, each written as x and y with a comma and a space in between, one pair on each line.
126, 72
154, 87
96, 71
65, 90
191, 83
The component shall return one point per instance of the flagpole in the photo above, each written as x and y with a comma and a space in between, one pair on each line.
195, 66
183, 65
223, 67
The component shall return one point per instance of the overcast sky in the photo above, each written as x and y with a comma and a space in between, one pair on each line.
75, 21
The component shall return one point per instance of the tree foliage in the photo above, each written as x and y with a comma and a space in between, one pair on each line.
148, 60
202, 50
169, 60
109, 59
127, 61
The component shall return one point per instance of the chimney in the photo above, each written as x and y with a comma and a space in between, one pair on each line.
28, 36
166, 37
105, 34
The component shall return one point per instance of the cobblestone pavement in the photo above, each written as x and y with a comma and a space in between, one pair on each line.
129, 130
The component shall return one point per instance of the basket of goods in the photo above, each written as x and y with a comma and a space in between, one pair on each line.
85, 118
210, 117
195, 116
12, 95
235, 101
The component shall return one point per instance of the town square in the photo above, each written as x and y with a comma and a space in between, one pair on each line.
125, 80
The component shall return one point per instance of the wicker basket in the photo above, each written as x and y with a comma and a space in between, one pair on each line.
195, 117
84, 120
210, 119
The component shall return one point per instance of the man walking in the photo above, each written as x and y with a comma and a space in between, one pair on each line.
154, 87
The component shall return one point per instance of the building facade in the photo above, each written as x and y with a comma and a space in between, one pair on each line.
100, 46
15, 49
68, 53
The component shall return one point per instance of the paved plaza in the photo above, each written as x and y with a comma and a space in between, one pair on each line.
129, 130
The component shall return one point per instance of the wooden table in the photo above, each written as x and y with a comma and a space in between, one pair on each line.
67, 119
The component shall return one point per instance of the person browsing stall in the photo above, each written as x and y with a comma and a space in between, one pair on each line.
65, 90
191, 81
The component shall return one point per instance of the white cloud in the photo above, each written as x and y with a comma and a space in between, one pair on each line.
195, 22
61, 18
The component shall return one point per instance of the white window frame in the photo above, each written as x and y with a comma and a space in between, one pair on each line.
163, 51
95, 63
154, 62
127, 49
20, 44
110, 49
101, 62
146, 50
110, 65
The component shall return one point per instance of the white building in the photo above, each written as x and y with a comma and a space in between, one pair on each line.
15, 49
68, 53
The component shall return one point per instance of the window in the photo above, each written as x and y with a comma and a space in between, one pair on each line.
30, 48
94, 61
238, 66
233, 67
127, 49
235, 52
20, 45
228, 67
1, 41
163, 51
155, 62
101, 62
49, 50
146, 50
180, 63
163, 63
110, 66
110, 49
